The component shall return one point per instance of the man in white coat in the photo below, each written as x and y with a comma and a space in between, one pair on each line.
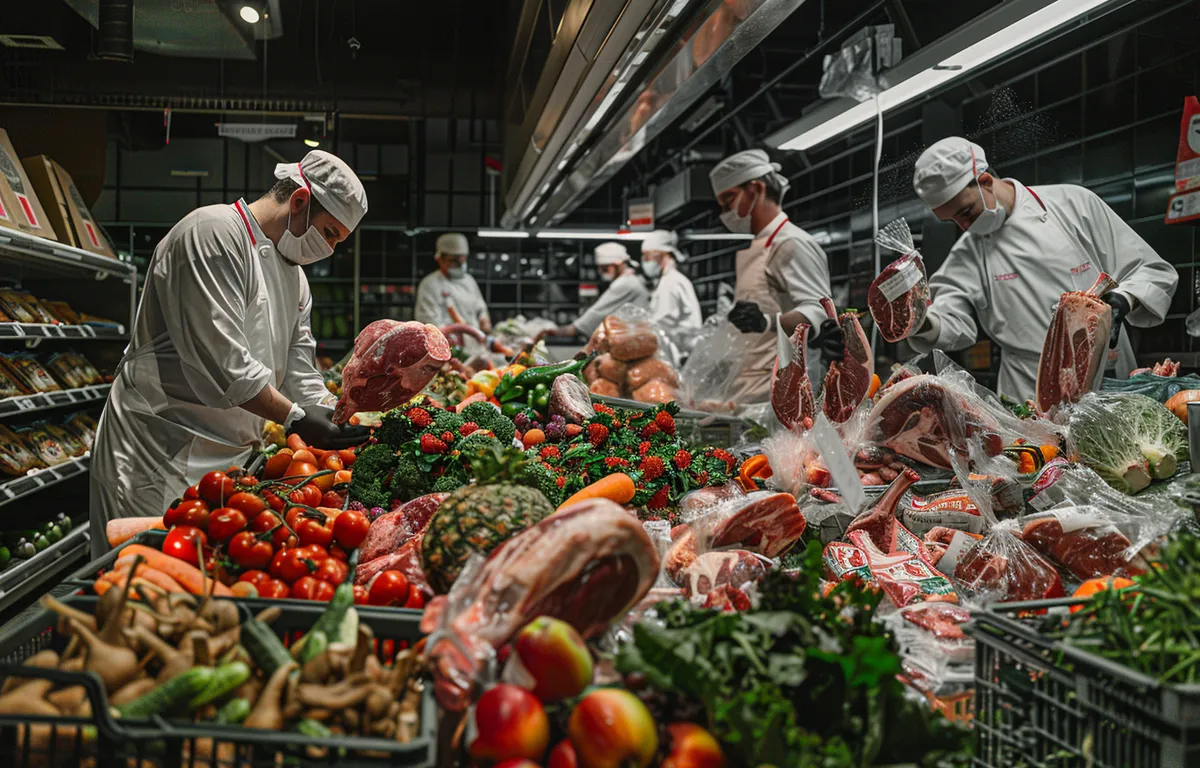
625, 286
451, 295
223, 342
1023, 248
674, 307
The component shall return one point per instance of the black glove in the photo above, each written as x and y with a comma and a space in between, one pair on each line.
830, 341
318, 430
1120, 310
747, 317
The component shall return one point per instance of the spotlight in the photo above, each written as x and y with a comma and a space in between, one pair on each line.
249, 14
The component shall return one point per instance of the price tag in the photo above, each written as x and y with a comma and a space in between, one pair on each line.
907, 274
841, 469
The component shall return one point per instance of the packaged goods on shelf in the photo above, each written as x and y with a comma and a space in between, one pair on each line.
44, 443
30, 373
83, 426
64, 206
15, 457
19, 205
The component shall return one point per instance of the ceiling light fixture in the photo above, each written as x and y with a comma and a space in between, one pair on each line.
568, 234
506, 233
249, 14
714, 236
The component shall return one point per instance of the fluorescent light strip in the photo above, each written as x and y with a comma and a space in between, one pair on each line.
973, 56
505, 233
566, 234
714, 236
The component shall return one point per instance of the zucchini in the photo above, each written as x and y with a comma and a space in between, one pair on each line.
314, 729
329, 623
317, 642
234, 712
171, 696
264, 646
225, 680
347, 633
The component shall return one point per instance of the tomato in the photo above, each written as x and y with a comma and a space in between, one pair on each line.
192, 493
250, 551
332, 461
225, 522
273, 501
292, 564
389, 588
334, 499
311, 531
347, 456
308, 494
308, 588
300, 469
350, 528
255, 577
304, 456
272, 588
249, 503
342, 477
277, 464
215, 487
247, 481
269, 521
175, 514
324, 482
185, 542
332, 571
415, 598
196, 516
360, 594
337, 553
315, 552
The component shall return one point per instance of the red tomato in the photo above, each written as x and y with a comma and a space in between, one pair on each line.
299, 469
272, 588
360, 594
225, 522
311, 531
308, 588
308, 494
215, 487
247, 481
185, 542
390, 588
273, 501
332, 461
264, 521
175, 514
350, 528
255, 577
304, 456
315, 552
291, 565
249, 503
332, 571
192, 493
347, 456
415, 598
249, 551
337, 553
335, 499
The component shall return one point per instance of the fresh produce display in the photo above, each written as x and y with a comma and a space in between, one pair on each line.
1129, 440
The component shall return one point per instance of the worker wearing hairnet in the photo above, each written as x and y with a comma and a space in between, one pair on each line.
223, 342
451, 295
1023, 248
625, 286
781, 277
674, 307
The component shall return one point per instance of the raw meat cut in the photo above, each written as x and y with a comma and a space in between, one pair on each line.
1088, 552
392, 530
1166, 368
900, 374
727, 598
629, 340
585, 565
848, 380
1004, 568
731, 568
912, 419
654, 391
879, 522
644, 371
1075, 346
392, 361
791, 389
899, 297
604, 388
569, 398
942, 619
764, 522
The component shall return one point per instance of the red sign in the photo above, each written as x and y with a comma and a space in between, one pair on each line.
1185, 203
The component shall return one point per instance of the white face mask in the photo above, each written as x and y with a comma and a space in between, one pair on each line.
738, 225
456, 273
990, 220
651, 269
307, 249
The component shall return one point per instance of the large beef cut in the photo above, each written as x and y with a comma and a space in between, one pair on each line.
1087, 551
586, 565
1075, 346
849, 379
879, 522
392, 361
899, 296
728, 568
764, 522
913, 418
791, 389
392, 530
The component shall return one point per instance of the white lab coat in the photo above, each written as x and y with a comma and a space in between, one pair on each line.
222, 315
629, 288
675, 309
437, 293
1012, 278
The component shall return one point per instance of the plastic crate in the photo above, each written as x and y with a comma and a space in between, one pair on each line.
158, 742
1041, 703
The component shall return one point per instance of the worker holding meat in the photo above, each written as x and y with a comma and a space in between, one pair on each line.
223, 342
674, 307
1023, 248
783, 274
625, 286
450, 294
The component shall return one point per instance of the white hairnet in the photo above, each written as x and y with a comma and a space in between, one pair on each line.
335, 186
946, 168
663, 240
742, 167
453, 244
608, 254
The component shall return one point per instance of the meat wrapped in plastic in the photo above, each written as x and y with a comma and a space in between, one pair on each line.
1003, 568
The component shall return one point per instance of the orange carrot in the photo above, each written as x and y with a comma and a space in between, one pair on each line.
754, 468
616, 487
296, 443
122, 529
152, 575
874, 385
188, 576
477, 397
533, 437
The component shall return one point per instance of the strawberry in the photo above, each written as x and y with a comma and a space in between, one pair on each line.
419, 417
614, 461
658, 500
665, 422
430, 444
643, 448
649, 431
468, 428
597, 434
683, 459
549, 452
447, 437
560, 481
652, 467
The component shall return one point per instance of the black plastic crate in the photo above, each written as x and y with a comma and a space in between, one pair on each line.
31, 741
1043, 703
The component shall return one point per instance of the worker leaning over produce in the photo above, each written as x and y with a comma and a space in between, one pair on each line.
674, 307
625, 286
222, 342
450, 294
1024, 248
784, 272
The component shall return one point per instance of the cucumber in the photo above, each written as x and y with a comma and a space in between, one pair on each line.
264, 646
234, 712
330, 621
171, 696
317, 642
225, 680
347, 633
314, 729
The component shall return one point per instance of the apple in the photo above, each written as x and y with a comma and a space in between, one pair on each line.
611, 728
562, 756
509, 722
693, 747
551, 659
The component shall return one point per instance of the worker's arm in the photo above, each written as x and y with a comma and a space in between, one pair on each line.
957, 292
269, 404
800, 269
303, 383
622, 291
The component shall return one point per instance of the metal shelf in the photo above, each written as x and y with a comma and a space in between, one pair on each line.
36, 480
41, 401
46, 567
51, 256
35, 331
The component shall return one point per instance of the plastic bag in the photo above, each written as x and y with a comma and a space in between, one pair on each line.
43, 444
764, 522
899, 297
636, 358
1003, 568
1160, 388
16, 458
851, 71
708, 377
1084, 540
932, 632
1129, 440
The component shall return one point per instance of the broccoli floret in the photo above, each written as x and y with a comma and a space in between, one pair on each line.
373, 472
451, 481
488, 417
446, 420
408, 480
478, 441
395, 429
545, 480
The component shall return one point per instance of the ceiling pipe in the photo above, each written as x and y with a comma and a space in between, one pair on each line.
114, 40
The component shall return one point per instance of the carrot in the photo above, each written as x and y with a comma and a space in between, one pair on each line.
277, 464
574, 429
122, 529
152, 575
187, 575
296, 443
875, 383
754, 468
616, 487
533, 437
476, 397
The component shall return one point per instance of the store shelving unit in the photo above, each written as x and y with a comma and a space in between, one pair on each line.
43, 401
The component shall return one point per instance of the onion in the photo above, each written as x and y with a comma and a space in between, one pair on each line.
1178, 403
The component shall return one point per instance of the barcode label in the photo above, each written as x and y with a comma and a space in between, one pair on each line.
907, 275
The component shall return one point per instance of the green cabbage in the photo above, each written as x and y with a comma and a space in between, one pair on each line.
1129, 440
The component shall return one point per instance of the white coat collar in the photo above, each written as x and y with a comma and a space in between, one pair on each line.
775, 224
258, 238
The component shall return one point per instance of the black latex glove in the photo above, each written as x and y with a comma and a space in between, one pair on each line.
747, 317
1120, 310
830, 341
318, 430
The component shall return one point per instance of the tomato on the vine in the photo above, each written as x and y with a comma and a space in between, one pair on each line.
292, 564
308, 494
415, 598
335, 499
247, 481
315, 552
272, 588
174, 515
350, 528
255, 577
389, 588
308, 588
250, 551
337, 553
311, 531
185, 542
273, 501
300, 469
360, 594
225, 522
216, 487
250, 504
192, 493
332, 571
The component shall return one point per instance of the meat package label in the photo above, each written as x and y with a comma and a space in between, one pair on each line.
908, 274
953, 509
846, 561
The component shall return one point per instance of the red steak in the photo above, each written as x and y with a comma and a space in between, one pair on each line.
848, 380
912, 417
791, 389
1075, 346
392, 530
899, 297
879, 521
764, 522
392, 361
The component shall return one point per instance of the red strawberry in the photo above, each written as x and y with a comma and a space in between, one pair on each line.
658, 500
683, 459
597, 434
468, 428
652, 467
649, 431
430, 444
643, 448
549, 452
447, 437
419, 416
560, 481
665, 422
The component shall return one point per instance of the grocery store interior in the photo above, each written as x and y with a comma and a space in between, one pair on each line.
668, 332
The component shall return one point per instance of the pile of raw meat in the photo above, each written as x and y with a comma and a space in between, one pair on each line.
629, 365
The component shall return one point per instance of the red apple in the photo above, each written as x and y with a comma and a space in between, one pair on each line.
551, 659
611, 728
693, 747
509, 722
562, 756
